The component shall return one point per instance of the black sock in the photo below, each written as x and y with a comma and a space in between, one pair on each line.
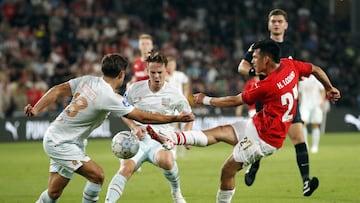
302, 158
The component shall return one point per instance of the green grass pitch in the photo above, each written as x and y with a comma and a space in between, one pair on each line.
24, 173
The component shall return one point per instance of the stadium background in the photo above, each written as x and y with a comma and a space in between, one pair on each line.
43, 43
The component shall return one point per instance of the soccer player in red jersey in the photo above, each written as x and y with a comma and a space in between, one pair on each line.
265, 133
277, 26
139, 64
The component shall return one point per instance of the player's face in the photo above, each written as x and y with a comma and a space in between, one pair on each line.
157, 74
171, 66
145, 46
258, 61
277, 25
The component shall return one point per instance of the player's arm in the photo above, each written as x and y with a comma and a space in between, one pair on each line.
136, 129
155, 118
332, 92
188, 126
244, 67
222, 102
49, 97
187, 89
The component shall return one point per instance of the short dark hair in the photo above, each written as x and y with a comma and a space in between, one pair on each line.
112, 64
156, 57
277, 12
269, 48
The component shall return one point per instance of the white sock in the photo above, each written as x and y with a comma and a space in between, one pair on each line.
306, 136
44, 198
315, 137
91, 192
172, 176
224, 196
115, 189
193, 137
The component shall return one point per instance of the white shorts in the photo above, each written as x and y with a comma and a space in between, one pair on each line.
311, 114
65, 158
250, 147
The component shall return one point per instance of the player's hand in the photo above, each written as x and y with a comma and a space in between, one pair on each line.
185, 117
28, 110
139, 131
198, 98
333, 94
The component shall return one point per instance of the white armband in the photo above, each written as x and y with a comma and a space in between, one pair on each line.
206, 100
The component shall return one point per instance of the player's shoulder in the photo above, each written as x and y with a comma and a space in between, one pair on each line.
138, 85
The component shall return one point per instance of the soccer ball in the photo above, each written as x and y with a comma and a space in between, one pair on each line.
125, 144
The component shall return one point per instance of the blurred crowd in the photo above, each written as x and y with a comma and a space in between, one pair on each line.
46, 42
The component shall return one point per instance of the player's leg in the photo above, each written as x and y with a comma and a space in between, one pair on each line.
302, 158
56, 185
166, 161
248, 149
227, 180
69, 159
95, 176
194, 137
315, 133
127, 167
315, 126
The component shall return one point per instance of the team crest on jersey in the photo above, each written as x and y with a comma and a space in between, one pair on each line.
165, 101
125, 102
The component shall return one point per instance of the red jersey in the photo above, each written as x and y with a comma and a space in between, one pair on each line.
278, 93
249, 85
140, 67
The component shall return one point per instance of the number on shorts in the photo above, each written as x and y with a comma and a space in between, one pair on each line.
245, 143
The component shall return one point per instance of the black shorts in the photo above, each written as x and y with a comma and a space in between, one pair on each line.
297, 118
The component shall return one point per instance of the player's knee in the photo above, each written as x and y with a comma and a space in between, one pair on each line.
296, 134
98, 178
54, 194
165, 160
227, 171
167, 165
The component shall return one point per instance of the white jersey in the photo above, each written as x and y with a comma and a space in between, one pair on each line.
93, 100
168, 101
311, 99
178, 79
310, 89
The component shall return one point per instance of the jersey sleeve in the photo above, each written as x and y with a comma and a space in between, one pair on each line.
185, 78
254, 94
74, 83
304, 68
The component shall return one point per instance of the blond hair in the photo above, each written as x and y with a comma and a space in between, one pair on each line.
145, 36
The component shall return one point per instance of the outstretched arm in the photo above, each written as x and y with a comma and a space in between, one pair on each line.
152, 118
49, 97
332, 93
228, 101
